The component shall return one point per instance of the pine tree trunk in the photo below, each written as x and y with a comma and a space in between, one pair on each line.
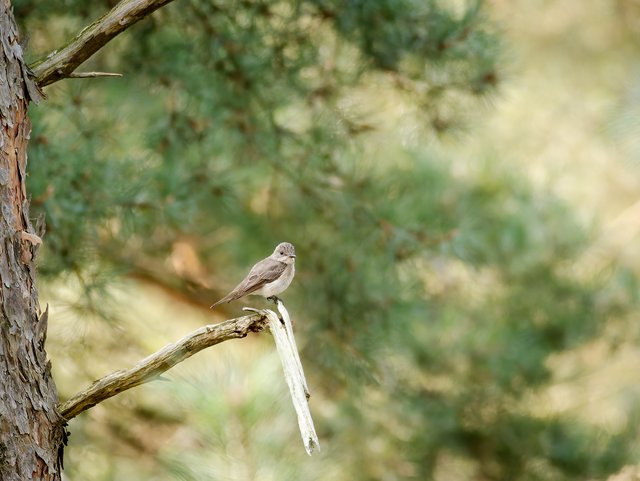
31, 432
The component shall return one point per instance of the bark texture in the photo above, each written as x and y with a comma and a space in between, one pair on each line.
151, 367
61, 63
31, 432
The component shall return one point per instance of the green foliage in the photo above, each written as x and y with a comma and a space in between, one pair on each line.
433, 299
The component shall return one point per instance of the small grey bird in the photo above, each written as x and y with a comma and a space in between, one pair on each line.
267, 278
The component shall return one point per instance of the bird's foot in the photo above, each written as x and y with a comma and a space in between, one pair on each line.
273, 299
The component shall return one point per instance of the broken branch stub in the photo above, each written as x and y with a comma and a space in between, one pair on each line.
282, 332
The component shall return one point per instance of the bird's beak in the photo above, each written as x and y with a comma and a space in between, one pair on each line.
293, 256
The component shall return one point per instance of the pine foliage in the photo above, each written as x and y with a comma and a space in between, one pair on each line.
433, 296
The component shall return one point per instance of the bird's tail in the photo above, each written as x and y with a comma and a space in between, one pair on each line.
216, 303
232, 296
238, 292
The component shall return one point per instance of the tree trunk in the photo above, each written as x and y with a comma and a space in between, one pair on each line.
31, 432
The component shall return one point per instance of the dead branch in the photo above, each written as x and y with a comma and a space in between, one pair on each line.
93, 74
62, 62
152, 366
282, 331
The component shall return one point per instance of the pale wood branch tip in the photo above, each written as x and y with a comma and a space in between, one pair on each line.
93, 74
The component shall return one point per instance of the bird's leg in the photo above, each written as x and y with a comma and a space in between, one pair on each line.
273, 299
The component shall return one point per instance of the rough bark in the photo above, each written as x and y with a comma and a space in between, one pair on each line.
151, 367
62, 62
31, 432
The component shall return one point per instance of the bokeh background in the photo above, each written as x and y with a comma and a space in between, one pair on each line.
462, 183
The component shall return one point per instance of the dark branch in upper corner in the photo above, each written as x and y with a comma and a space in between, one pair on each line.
62, 62
152, 366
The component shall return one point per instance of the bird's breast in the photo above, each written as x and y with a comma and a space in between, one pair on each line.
280, 284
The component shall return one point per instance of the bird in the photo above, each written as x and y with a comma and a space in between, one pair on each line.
269, 277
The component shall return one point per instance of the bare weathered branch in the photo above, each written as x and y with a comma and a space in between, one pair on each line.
152, 366
61, 62
93, 74
282, 331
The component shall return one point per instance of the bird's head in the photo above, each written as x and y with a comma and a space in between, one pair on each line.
285, 252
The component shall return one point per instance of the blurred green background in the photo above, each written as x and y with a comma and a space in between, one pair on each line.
461, 180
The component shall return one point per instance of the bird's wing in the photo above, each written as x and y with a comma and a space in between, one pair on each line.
265, 271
